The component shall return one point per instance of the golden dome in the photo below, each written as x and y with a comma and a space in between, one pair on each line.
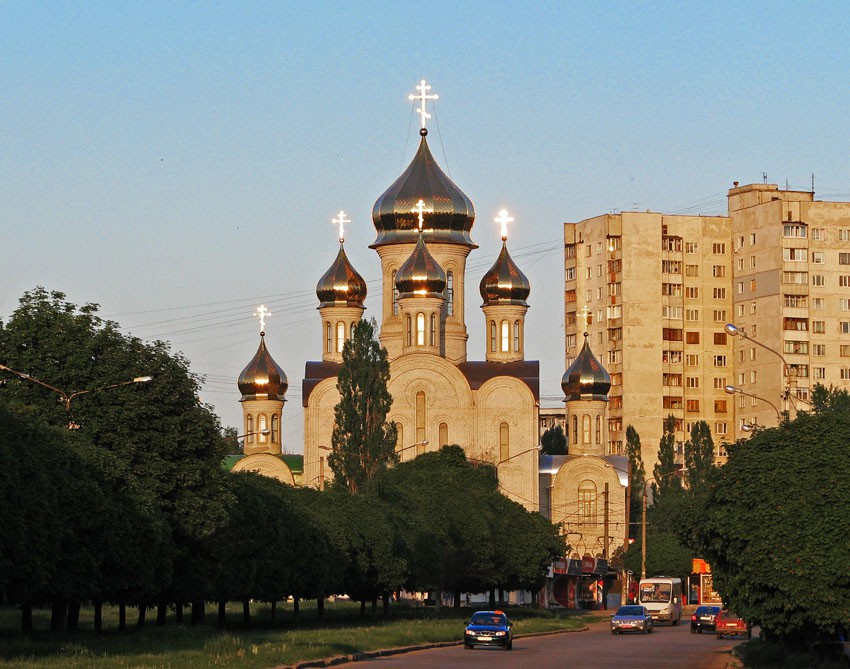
504, 283
341, 285
420, 275
262, 378
586, 379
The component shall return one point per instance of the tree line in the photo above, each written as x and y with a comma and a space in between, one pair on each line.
134, 507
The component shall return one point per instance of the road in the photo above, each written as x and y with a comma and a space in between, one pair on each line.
595, 648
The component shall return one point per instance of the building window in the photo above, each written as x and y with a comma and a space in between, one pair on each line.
844, 304
819, 350
450, 293
571, 341
574, 431
718, 248
719, 360
691, 247
570, 251
819, 373
505, 337
275, 429
420, 329
720, 315
817, 279
718, 271
409, 331
799, 324
599, 428
795, 301
585, 429
819, 327
587, 503
796, 231
720, 338
395, 295
844, 281
671, 289
671, 266
444, 434
492, 336
844, 327
843, 235
570, 296
420, 417
719, 293
691, 270
720, 406
692, 406
720, 428
668, 311
261, 427
433, 332
671, 334
817, 257
690, 314
845, 374
692, 292
570, 274
692, 338
340, 336
516, 336
692, 360
692, 381
249, 429
797, 347
794, 255
674, 380
504, 442
328, 338
844, 258
818, 234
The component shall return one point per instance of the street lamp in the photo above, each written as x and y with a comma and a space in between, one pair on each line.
422, 443
732, 390
538, 448
67, 398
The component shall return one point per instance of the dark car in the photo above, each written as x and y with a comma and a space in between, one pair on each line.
702, 619
632, 618
728, 623
489, 628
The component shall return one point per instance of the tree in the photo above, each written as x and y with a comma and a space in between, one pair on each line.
776, 528
363, 441
699, 457
554, 441
665, 469
637, 477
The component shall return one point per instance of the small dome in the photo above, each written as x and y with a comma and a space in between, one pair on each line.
586, 379
262, 378
453, 213
341, 285
504, 283
420, 275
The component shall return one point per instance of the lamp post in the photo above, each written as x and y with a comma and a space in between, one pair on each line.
734, 390
422, 443
537, 448
67, 398
322, 466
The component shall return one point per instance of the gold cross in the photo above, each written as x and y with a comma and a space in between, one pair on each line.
421, 209
341, 220
504, 219
262, 312
423, 89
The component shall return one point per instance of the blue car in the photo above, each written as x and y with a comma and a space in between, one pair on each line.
632, 618
489, 628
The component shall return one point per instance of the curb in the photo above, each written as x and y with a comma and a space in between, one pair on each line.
386, 652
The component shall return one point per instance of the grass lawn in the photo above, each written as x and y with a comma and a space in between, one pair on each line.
261, 646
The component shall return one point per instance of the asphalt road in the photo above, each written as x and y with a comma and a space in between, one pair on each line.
595, 648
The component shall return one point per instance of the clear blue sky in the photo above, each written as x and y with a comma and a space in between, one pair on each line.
180, 162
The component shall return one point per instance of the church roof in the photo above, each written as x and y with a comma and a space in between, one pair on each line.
420, 274
504, 283
262, 378
586, 379
450, 212
341, 285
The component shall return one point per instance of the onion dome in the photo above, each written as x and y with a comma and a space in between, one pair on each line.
262, 378
341, 285
394, 215
586, 379
420, 275
504, 283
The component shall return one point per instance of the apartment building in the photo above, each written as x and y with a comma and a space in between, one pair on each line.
655, 293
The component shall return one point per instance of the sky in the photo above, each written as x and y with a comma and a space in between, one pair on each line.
179, 163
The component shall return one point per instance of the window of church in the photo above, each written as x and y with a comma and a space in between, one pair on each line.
516, 336
340, 336
433, 329
420, 329
409, 332
574, 431
450, 292
351, 331
249, 428
587, 503
328, 338
395, 296
504, 442
420, 417
275, 429
444, 434
399, 436
598, 439
505, 337
492, 336
261, 427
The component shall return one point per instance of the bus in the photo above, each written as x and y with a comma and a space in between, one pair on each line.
662, 596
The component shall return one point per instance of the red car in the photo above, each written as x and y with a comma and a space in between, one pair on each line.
728, 623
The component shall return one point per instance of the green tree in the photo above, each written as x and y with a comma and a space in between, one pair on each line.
637, 478
554, 441
699, 457
776, 529
665, 470
363, 441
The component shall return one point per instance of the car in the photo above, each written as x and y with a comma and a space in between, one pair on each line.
631, 618
702, 619
728, 623
489, 628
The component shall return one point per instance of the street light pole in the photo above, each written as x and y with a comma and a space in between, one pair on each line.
733, 390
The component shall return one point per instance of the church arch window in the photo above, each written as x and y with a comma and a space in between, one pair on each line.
420, 417
261, 427
587, 502
351, 330
433, 329
249, 428
506, 342
585, 429
492, 336
444, 434
275, 429
574, 431
395, 295
409, 331
420, 329
340, 336
450, 292
399, 436
504, 442
598, 435
328, 338
516, 336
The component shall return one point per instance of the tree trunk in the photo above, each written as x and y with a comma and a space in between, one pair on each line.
98, 615
199, 613
273, 612
492, 599
362, 608
143, 611
457, 599
246, 612
26, 617
58, 615
73, 615
122, 615
296, 608
161, 613
178, 613
374, 606
320, 607
385, 597
221, 622
501, 598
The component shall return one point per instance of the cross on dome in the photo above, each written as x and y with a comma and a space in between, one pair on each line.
421, 209
341, 220
423, 89
262, 312
503, 219
584, 314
